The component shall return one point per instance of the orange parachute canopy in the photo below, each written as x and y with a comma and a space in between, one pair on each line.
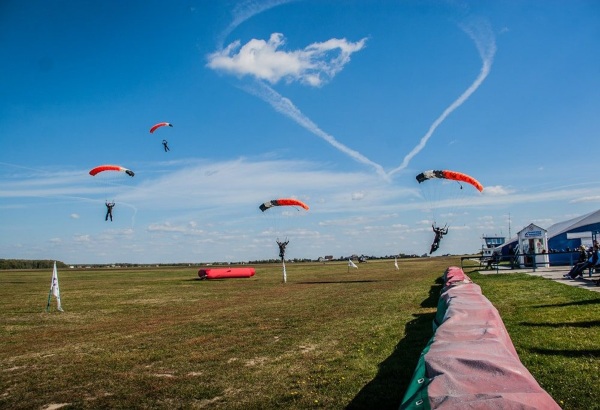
453, 175
160, 124
117, 168
283, 202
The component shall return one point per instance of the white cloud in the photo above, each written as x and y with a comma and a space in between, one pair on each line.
593, 198
189, 228
165, 227
355, 221
75, 216
248, 185
314, 65
185, 215
543, 221
496, 190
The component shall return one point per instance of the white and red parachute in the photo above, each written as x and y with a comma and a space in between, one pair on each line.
113, 168
283, 202
111, 179
160, 124
277, 219
450, 175
447, 193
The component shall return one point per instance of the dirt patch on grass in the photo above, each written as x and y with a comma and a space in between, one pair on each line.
55, 406
258, 361
307, 348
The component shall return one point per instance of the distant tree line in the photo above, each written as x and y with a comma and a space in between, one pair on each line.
48, 264
30, 264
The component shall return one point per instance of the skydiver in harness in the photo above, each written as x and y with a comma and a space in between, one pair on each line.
109, 207
165, 145
282, 246
439, 233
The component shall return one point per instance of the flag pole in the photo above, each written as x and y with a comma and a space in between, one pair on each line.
54, 290
49, 296
284, 273
51, 288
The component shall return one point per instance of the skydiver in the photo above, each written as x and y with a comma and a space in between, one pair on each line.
109, 207
439, 233
282, 246
165, 142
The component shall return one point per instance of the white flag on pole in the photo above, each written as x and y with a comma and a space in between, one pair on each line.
396, 263
352, 264
54, 289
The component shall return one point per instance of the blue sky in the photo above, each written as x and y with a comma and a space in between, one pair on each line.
338, 104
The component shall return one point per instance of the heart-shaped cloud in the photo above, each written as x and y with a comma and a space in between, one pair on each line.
318, 63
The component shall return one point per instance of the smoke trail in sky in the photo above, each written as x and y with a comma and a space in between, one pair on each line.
134, 212
481, 33
286, 107
245, 10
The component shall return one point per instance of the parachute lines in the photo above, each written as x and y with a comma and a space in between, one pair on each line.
443, 198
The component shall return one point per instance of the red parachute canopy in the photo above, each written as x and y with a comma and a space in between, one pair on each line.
453, 175
102, 168
282, 202
160, 124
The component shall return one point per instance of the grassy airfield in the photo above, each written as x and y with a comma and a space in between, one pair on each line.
329, 338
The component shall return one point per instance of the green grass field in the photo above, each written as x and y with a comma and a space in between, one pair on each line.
328, 338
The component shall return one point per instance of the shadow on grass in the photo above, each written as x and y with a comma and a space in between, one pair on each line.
576, 303
434, 294
567, 353
210, 280
387, 389
591, 323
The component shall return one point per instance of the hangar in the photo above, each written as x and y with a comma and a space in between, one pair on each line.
564, 238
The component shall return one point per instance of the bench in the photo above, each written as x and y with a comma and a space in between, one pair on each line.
595, 268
